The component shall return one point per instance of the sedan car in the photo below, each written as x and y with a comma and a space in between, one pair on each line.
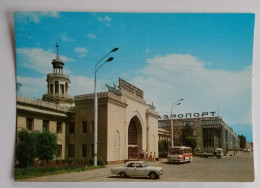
137, 169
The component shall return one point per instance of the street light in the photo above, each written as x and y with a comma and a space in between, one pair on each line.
97, 67
173, 105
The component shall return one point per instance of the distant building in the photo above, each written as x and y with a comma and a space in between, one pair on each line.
210, 132
126, 123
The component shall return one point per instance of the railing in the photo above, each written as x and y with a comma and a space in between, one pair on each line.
59, 75
58, 95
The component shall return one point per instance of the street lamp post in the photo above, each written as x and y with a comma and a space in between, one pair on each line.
173, 105
97, 67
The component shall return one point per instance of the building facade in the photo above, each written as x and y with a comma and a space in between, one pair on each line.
126, 123
210, 132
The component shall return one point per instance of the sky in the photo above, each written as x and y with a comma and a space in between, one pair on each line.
204, 58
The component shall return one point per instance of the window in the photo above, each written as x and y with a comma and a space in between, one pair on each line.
138, 165
59, 153
84, 127
56, 87
45, 125
71, 150
71, 128
83, 150
62, 88
59, 127
51, 86
29, 124
131, 165
92, 150
93, 126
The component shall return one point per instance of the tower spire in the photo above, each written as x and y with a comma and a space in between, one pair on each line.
57, 46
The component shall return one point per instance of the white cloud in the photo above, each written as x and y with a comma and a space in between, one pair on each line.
35, 17
172, 77
81, 51
104, 19
65, 38
32, 87
36, 87
38, 59
91, 36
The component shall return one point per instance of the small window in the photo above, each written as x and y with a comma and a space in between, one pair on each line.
84, 127
59, 152
92, 150
131, 165
71, 150
29, 124
84, 150
59, 127
93, 126
45, 125
138, 165
71, 128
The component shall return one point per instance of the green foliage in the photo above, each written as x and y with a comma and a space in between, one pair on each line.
163, 148
47, 146
191, 141
188, 138
100, 161
31, 145
40, 171
25, 148
242, 141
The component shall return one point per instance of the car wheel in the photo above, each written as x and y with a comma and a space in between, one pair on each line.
218, 156
152, 175
122, 175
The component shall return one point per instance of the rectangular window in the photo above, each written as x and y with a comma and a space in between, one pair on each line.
71, 150
93, 126
71, 127
45, 125
62, 88
84, 127
84, 150
29, 124
59, 127
59, 153
51, 86
92, 150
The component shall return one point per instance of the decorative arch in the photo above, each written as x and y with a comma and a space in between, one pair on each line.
134, 137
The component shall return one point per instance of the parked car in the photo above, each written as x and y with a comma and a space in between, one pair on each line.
137, 169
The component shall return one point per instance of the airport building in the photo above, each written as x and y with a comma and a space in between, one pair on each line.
126, 123
210, 132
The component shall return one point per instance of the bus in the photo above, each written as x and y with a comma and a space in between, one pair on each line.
180, 154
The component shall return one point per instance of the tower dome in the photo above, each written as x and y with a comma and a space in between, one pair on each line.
58, 84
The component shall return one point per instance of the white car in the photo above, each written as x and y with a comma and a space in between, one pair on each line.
137, 169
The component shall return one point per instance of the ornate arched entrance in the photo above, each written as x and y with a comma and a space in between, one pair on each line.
134, 138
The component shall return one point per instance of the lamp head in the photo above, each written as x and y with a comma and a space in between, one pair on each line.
115, 49
109, 59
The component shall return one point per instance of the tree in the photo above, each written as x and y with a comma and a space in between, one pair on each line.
188, 137
191, 141
31, 145
25, 148
242, 139
163, 147
47, 146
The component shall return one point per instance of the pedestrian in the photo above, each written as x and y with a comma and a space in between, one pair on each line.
151, 156
154, 155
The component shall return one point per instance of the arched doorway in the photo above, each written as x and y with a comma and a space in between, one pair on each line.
134, 138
